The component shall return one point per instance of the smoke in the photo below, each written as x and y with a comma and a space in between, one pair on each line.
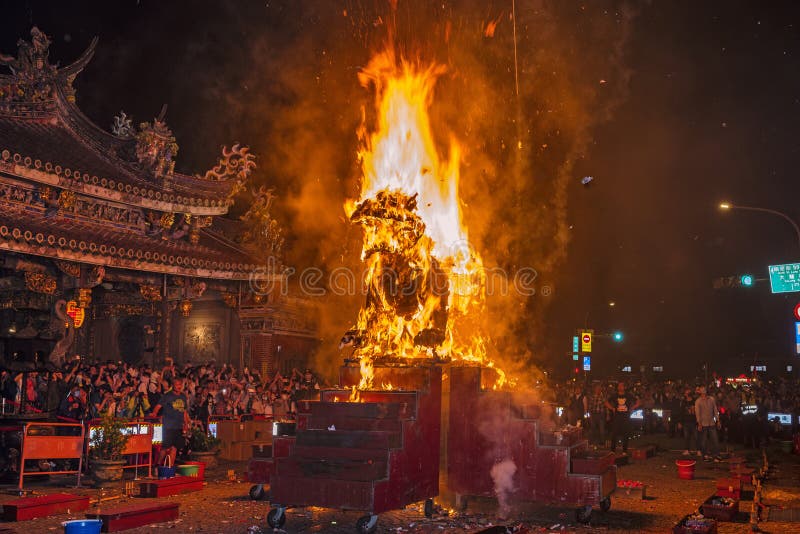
522, 148
282, 77
503, 436
503, 478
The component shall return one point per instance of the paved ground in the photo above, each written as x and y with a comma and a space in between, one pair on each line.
224, 506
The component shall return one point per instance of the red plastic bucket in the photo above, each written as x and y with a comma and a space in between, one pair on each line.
201, 471
685, 469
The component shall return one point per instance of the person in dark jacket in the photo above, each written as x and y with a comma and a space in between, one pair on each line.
74, 405
621, 405
56, 390
689, 423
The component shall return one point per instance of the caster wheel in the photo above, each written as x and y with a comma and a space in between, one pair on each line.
367, 524
605, 504
428, 508
583, 514
276, 517
257, 492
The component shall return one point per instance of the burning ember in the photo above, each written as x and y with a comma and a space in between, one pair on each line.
425, 284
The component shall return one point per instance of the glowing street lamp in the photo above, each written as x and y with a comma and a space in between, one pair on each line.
727, 206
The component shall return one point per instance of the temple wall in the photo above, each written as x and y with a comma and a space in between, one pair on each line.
106, 344
209, 333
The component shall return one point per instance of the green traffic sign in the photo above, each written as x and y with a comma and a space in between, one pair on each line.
784, 278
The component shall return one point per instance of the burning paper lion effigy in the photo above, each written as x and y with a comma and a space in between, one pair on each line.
426, 285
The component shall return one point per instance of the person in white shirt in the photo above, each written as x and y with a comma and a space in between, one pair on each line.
707, 414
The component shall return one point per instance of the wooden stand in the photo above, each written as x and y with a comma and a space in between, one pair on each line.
44, 506
170, 486
126, 517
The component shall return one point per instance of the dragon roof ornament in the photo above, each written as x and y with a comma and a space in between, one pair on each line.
235, 166
156, 148
32, 84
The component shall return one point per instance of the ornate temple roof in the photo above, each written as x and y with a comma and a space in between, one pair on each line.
27, 232
44, 137
70, 190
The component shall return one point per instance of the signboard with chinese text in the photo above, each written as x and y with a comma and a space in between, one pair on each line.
784, 278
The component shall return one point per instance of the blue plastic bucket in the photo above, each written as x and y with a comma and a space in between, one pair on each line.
82, 526
165, 472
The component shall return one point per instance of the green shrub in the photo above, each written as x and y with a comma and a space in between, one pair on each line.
109, 440
201, 441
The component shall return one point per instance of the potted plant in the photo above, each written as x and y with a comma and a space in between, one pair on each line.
203, 447
105, 449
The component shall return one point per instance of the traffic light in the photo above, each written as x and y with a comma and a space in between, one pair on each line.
725, 282
617, 336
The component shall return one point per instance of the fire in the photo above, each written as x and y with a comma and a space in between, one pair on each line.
425, 284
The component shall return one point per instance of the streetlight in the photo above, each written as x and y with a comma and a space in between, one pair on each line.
725, 206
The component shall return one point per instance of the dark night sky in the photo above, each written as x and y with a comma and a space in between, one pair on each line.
712, 112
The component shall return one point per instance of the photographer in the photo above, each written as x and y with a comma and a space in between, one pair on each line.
108, 404
73, 405
137, 404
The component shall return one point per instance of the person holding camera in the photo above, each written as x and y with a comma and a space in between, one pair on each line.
107, 404
137, 404
73, 406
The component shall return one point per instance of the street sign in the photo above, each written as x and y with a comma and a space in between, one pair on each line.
784, 278
586, 342
797, 311
575, 344
587, 363
575, 357
797, 338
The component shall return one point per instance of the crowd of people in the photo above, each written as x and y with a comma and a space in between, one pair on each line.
703, 415
82, 390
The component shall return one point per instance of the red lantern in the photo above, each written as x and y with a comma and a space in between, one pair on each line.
76, 313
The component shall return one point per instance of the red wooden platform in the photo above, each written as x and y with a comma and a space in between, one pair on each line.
376, 455
43, 506
592, 462
125, 517
260, 469
170, 486
486, 427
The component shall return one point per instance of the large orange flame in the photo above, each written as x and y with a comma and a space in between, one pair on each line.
411, 213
